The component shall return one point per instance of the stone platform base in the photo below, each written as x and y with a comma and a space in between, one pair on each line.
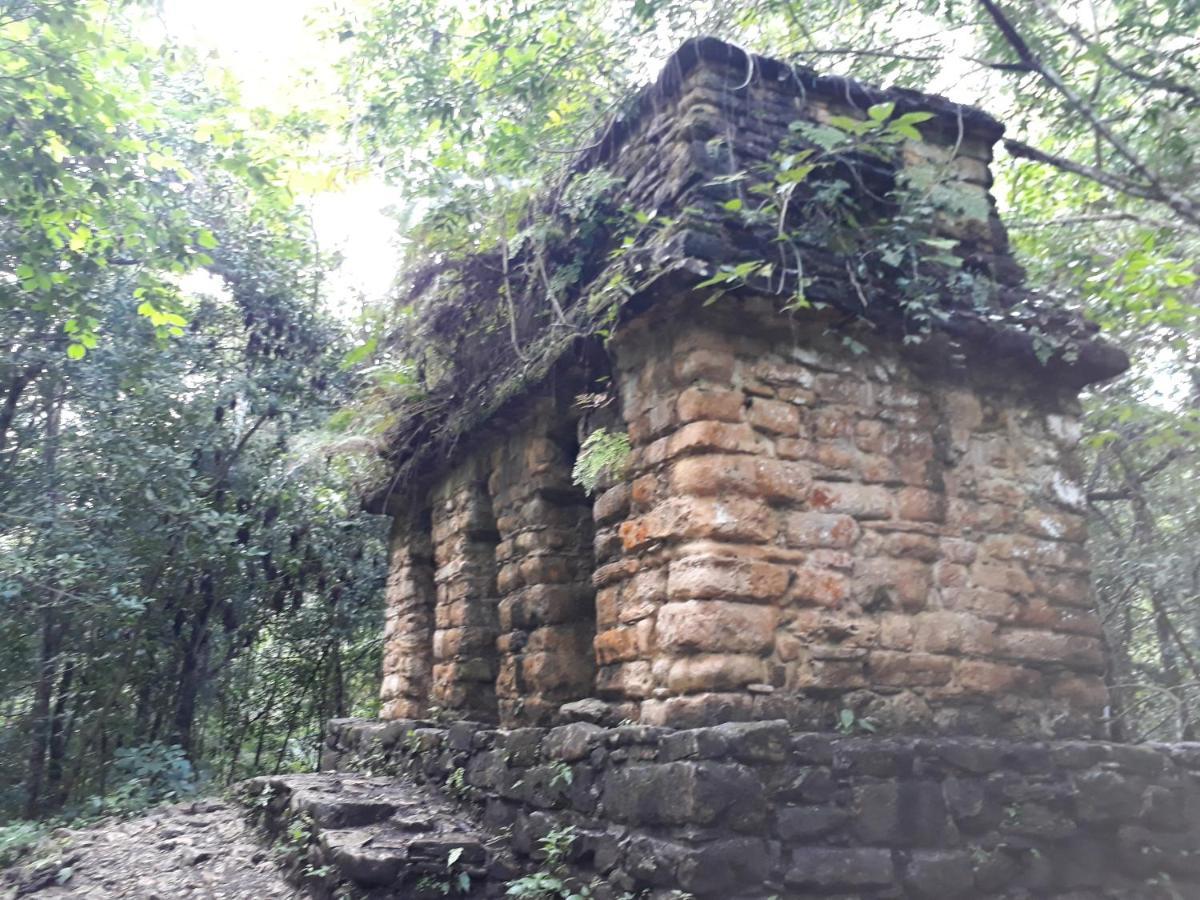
754, 810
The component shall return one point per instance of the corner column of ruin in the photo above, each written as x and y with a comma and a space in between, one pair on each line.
686, 608
803, 531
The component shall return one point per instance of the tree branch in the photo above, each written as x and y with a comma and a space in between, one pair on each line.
1153, 188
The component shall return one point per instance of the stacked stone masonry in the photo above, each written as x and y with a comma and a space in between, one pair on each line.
799, 530
755, 810
409, 619
544, 560
509, 591
814, 532
803, 530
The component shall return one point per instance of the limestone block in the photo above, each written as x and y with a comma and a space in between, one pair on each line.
736, 519
715, 672
826, 868
996, 679
712, 404
712, 364
858, 500
809, 529
902, 583
631, 679
700, 437
716, 626
717, 475
819, 586
774, 416
711, 577
617, 645
1075, 650
696, 710
889, 668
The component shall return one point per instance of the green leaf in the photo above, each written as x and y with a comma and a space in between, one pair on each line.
206, 239
796, 174
719, 278
880, 112
852, 126
733, 205
80, 238
360, 353
76, 351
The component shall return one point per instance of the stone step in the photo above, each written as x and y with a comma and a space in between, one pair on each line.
388, 856
368, 836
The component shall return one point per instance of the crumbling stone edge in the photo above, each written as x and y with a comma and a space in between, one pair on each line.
755, 810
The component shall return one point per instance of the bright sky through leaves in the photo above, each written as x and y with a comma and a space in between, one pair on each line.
279, 62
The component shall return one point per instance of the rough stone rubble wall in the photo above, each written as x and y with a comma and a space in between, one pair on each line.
803, 530
752, 810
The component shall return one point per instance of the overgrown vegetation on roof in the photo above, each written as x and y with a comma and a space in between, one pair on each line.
818, 209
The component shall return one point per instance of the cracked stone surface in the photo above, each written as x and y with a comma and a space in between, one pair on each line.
377, 836
204, 849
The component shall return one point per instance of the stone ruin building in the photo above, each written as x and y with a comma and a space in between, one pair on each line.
825, 627
799, 527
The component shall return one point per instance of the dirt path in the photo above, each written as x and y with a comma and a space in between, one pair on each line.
191, 850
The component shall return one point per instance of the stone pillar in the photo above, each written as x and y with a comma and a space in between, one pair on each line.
408, 629
547, 610
687, 606
464, 640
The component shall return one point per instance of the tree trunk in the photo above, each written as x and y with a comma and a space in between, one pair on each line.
191, 674
47, 663
59, 736
40, 714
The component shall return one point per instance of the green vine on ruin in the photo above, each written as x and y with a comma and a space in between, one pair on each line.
838, 191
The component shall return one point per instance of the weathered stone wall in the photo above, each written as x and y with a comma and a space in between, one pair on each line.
547, 614
803, 529
753, 810
822, 525
490, 609
407, 682
800, 531
466, 619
